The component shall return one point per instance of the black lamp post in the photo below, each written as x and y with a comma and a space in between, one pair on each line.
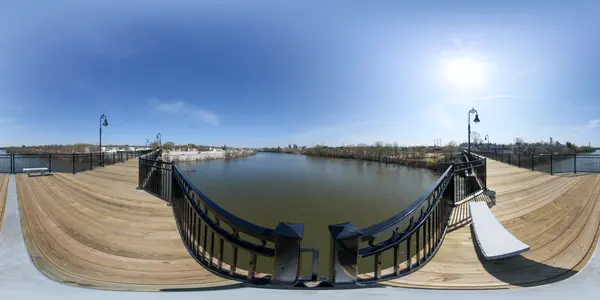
476, 120
147, 141
102, 118
487, 138
159, 137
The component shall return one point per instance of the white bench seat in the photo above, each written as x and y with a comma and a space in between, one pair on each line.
42, 171
493, 239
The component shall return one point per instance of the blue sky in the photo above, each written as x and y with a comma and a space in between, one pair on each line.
269, 74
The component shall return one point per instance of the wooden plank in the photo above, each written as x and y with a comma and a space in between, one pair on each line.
3, 190
558, 216
93, 229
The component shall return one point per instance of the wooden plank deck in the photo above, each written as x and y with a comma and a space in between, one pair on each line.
3, 190
558, 216
95, 229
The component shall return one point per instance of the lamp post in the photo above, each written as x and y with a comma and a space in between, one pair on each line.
159, 137
102, 118
487, 138
147, 141
476, 120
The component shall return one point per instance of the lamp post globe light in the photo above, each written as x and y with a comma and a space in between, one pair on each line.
105, 123
476, 120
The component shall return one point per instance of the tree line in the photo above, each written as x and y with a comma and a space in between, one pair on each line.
74, 148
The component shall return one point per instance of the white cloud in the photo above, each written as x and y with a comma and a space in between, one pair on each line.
205, 116
169, 107
185, 111
592, 124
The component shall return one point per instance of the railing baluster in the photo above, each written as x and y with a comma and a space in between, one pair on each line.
194, 232
233, 266
424, 227
252, 266
221, 252
198, 235
205, 239
396, 260
408, 257
212, 247
377, 260
429, 227
417, 251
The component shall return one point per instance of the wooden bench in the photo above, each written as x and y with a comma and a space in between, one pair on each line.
493, 239
42, 171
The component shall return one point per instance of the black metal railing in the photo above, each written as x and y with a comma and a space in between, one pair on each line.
222, 242
62, 163
232, 247
549, 163
155, 176
413, 236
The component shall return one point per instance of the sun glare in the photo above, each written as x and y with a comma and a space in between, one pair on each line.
464, 72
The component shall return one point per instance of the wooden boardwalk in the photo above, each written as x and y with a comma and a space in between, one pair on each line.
557, 216
3, 190
95, 229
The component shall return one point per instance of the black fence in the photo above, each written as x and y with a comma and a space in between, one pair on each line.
221, 242
549, 163
232, 247
63, 163
412, 237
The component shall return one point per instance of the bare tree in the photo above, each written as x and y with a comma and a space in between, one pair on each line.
519, 141
476, 138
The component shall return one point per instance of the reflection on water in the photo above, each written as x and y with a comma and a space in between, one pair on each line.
268, 188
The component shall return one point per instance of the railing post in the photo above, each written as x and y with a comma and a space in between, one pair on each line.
575, 163
532, 162
91, 159
345, 240
286, 265
551, 165
449, 191
12, 163
114, 162
485, 174
50, 162
519, 160
73, 162
509, 158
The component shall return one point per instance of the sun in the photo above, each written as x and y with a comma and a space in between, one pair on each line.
464, 72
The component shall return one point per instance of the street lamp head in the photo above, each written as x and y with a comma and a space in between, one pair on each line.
158, 135
105, 122
476, 118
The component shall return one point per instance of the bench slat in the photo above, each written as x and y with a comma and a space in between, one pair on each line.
494, 240
34, 169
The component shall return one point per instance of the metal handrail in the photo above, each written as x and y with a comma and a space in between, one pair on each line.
374, 230
202, 224
235, 222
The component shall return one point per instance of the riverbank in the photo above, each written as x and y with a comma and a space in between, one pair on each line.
193, 156
432, 161
436, 161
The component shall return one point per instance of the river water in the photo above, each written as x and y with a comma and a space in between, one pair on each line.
585, 162
268, 188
